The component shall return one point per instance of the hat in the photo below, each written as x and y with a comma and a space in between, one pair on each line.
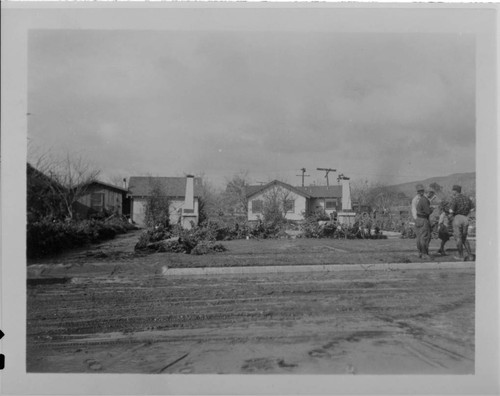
419, 187
457, 188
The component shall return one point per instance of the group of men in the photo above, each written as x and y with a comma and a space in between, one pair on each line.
453, 218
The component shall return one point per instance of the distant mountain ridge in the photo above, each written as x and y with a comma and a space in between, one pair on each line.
466, 180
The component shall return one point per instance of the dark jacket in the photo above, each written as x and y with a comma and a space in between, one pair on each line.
424, 208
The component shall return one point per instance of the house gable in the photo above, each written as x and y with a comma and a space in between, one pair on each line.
254, 190
296, 201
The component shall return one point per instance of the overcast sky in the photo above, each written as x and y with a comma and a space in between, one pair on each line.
389, 108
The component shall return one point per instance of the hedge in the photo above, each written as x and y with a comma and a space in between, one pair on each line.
47, 236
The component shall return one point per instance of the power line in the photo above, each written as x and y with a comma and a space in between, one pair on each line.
303, 175
327, 170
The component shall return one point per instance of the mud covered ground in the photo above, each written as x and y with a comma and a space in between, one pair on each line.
106, 310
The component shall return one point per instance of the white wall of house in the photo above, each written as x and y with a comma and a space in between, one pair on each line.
138, 210
299, 206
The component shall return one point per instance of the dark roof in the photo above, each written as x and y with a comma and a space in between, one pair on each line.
36, 174
140, 186
322, 191
252, 190
109, 186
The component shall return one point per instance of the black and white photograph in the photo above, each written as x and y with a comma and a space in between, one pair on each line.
249, 198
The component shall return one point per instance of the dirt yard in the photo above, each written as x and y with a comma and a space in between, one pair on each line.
107, 310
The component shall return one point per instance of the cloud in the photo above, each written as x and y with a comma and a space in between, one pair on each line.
164, 102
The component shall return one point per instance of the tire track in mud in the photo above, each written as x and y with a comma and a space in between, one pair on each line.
334, 306
214, 308
430, 341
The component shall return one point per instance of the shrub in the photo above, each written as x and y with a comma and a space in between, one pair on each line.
266, 229
312, 227
198, 240
362, 228
205, 247
319, 215
152, 235
408, 232
241, 230
172, 246
49, 236
45, 237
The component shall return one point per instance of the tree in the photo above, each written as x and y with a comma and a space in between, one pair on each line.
41, 199
360, 192
68, 178
234, 196
157, 208
384, 199
210, 204
376, 196
276, 204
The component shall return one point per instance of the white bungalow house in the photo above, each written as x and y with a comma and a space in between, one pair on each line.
297, 202
183, 194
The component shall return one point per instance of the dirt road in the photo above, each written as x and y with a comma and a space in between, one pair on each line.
130, 316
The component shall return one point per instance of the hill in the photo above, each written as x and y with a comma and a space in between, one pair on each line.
466, 180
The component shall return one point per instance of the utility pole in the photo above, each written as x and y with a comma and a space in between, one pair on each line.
327, 170
303, 170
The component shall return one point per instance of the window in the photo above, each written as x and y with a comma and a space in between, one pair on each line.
257, 206
331, 204
289, 205
97, 201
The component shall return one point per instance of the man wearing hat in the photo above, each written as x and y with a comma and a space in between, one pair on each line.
422, 211
460, 207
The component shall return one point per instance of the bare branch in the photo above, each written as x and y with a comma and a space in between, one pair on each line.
68, 177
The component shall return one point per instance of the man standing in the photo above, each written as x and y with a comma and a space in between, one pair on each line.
460, 207
415, 200
422, 224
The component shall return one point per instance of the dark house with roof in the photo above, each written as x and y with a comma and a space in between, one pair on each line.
45, 197
102, 197
299, 201
182, 192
